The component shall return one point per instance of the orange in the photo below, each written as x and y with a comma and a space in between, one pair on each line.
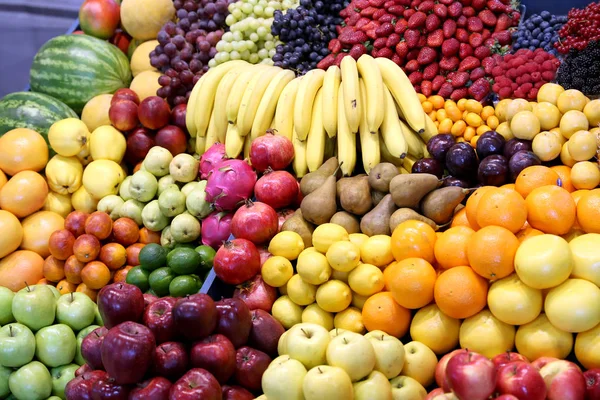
527, 233
473, 203
24, 193
534, 177
451, 247
588, 211
133, 253
82, 288
22, 149
412, 239
12, 231
510, 186
37, 229
121, 274
460, 293
54, 269
20, 267
113, 255
411, 282
73, 268
491, 252
95, 275
381, 312
3, 179
502, 207
460, 219
43, 281
564, 172
578, 194
148, 236
551, 209
65, 287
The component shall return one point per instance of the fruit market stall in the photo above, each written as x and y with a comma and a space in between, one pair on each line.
304, 200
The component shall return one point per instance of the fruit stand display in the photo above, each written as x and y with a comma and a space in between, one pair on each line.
307, 200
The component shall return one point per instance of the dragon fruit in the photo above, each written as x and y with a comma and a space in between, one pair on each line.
210, 159
216, 229
230, 184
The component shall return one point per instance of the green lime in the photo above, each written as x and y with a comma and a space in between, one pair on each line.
184, 285
184, 245
138, 277
160, 279
207, 255
153, 256
152, 292
183, 260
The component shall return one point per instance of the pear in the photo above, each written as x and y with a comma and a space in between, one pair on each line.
311, 181
377, 221
347, 220
355, 195
319, 205
407, 190
297, 223
407, 214
439, 205
381, 176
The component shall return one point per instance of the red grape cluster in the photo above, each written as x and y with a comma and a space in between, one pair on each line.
186, 46
582, 27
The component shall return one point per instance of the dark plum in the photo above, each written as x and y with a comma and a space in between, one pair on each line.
461, 160
514, 145
490, 143
521, 160
493, 170
453, 181
439, 145
428, 166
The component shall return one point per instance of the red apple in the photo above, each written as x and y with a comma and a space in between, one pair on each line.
123, 114
75, 222
522, 380
121, 39
127, 352
540, 362
172, 138
592, 381
83, 369
195, 316
433, 393
99, 18
256, 294
156, 388
125, 94
504, 358
178, 114
196, 384
507, 397
250, 367
108, 389
149, 298
440, 370
120, 302
91, 348
80, 388
564, 380
158, 317
235, 320
139, 143
154, 112
170, 360
265, 332
236, 393
215, 354
471, 375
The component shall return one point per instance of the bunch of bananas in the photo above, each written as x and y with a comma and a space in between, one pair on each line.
367, 106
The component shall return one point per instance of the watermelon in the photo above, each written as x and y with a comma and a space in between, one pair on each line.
76, 68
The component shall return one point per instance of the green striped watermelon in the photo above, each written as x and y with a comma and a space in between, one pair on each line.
75, 68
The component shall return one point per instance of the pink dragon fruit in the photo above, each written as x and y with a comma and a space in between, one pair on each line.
216, 229
213, 156
230, 184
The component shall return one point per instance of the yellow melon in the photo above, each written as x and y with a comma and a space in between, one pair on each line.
95, 111
20, 268
142, 19
140, 59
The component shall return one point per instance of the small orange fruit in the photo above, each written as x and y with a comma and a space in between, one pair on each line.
473, 203
92, 294
65, 287
54, 269
527, 233
73, 269
413, 239
564, 172
121, 274
411, 282
534, 177
551, 209
491, 252
502, 207
588, 211
381, 312
460, 293
460, 219
451, 247
95, 275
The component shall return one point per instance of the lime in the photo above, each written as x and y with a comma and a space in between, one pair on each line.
183, 260
160, 279
153, 256
184, 285
138, 277
152, 292
207, 255
184, 245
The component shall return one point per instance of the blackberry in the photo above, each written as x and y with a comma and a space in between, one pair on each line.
581, 69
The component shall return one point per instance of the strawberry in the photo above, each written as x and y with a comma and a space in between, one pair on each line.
371, 34
379, 43
387, 18
486, 34
412, 37
426, 56
361, 4
396, 10
503, 23
502, 37
368, 12
385, 30
430, 71
417, 20
362, 22
455, 9
437, 82
411, 66
468, 12
449, 28
488, 18
498, 6
462, 35
426, 6
422, 41
475, 39
415, 4
449, 63
386, 53
435, 39
409, 12
401, 26
357, 50
505, 93
459, 79
446, 2
334, 46
353, 37
326, 62
461, 21
465, 50
478, 4
479, 89
402, 49
459, 93
469, 63
416, 77
432, 22
482, 52
413, 54
477, 73
446, 90
378, 14
450, 47
474, 24
497, 71
440, 10
377, 3
392, 40
338, 58
396, 59
426, 88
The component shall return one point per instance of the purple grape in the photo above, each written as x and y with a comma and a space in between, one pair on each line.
493, 170
453, 181
489, 143
428, 166
514, 145
439, 145
521, 160
461, 160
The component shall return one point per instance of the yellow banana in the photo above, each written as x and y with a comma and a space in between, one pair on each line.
351, 99
331, 85
385, 154
346, 139
391, 131
315, 143
252, 97
414, 142
190, 117
369, 141
430, 129
409, 161
211, 133
247, 144
223, 91
303, 106
299, 163
200, 144
403, 170
284, 112
234, 142
237, 92
373, 102
404, 93
266, 109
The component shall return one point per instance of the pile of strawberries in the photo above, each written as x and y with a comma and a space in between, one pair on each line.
521, 74
582, 27
444, 45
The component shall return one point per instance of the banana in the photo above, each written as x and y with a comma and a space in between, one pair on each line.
200, 144
299, 163
303, 106
391, 131
315, 144
351, 99
374, 100
212, 135
404, 93
223, 91
369, 141
414, 142
284, 121
247, 144
190, 117
403, 170
385, 154
346, 139
266, 109
237, 92
234, 142
430, 129
408, 163
252, 98
331, 85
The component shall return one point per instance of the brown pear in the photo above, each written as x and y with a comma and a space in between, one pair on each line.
408, 189
355, 196
407, 214
344, 182
377, 221
319, 205
439, 205
297, 223
376, 196
347, 220
313, 180
381, 176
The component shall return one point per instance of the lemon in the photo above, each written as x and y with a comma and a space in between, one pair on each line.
287, 244
525, 125
350, 319
585, 175
326, 234
286, 312
548, 115
549, 92
358, 301
313, 267
316, 315
377, 250
571, 100
573, 121
582, 145
486, 335
334, 296
340, 275
435, 329
366, 280
586, 257
300, 292
277, 271
343, 256
547, 146
358, 238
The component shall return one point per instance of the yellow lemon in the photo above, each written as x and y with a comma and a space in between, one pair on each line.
487, 335
350, 319
585, 175
358, 301
377, 250
286, 312
525, 125
277, 271
340, 275
358, 238
513, 302
571, 100
592, 112
582, 145
343, 256
549, 92
435, 329
334, 296
573, 306
287, 244
544, 261
540, 338
300, 292
573, 121
586, 257
327, 234
316, 315
587, 348
313, 267
546, 146
366, 280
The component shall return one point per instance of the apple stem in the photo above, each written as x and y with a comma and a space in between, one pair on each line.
308, 335
10, 328
72, 296
345, 340
27, 285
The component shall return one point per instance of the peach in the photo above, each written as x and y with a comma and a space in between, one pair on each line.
65, 287
60, 244
113, 255
75, 222
86, 248
99, 224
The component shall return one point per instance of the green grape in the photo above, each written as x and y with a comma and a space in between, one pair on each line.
253, 59
263, 53
212, 63
228, 48
272, 53
230, 20
254, 37
220, 46
262, 32
253, 2
237, 14
246, 8
238, 36
245, 54
234, 55
269, 11
258, 10
269, 44
227, 36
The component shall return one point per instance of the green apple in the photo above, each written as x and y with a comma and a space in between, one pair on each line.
336, 331
76, 310
281, 344
31, 382
6, 298
327, 382
389, 353
98, 317
406, 388
283, 379
54, 291
4, 375
60, 377
353, 353
374, 387
80, 336
55, 345
34, 306
17, 345
307, 343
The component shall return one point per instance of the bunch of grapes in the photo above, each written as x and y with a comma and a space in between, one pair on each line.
249, 37
305, 32
186, 46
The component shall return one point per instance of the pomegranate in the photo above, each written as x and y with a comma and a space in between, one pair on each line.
236, 261
229, 184
257, 222
256, 294
299, 198
276, 188
284, 215
216, 228
211, 158
272, 151
264, 254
